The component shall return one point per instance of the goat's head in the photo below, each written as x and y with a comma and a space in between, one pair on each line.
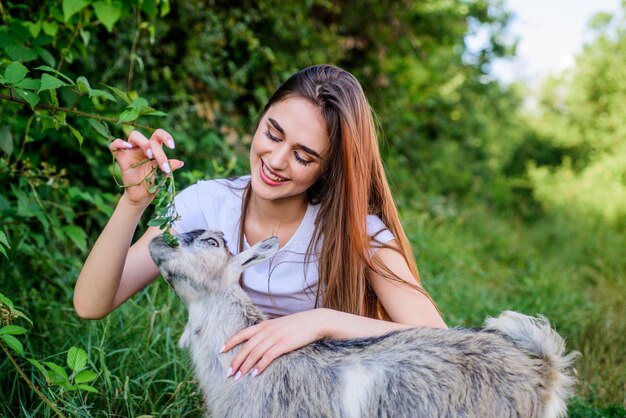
201, 263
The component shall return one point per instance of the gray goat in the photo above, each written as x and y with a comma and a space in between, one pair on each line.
514, 367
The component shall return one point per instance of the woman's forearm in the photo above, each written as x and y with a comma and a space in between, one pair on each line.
99, 280
341, 325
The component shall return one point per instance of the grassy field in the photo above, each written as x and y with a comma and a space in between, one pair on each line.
475, 264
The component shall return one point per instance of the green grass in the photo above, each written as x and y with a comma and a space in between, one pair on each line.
474, 262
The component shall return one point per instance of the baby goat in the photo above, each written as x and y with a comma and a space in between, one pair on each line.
514, 367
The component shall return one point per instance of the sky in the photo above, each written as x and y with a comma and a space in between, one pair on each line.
551, 32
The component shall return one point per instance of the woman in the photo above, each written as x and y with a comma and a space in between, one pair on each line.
317, 182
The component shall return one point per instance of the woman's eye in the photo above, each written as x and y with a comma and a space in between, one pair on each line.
212, 242
271, 137
301, 160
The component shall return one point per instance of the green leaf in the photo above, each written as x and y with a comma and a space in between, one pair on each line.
108, 13
76, 134
39, 367
8, 302
52, 70
4, 252
88, 388
83, 85
139, 103
58, 373
129, 115
75, 233
85, 376
76, 358
102, 93
18, 52
29, 84
6, 145
50, 28
3, 238
121, 94
33, 27
157, 222
100, 127
49, 82
13, 343
71, 7
85, 36
15, 73
12, 330
154, 113
149, 8
31, 98
46, 56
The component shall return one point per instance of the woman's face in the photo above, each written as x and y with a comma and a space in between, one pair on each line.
288, 150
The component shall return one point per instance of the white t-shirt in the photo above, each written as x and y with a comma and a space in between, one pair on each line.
281, 285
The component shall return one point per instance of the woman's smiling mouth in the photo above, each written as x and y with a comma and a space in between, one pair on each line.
268, 174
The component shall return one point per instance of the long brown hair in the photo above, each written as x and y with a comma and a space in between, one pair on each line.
352, 186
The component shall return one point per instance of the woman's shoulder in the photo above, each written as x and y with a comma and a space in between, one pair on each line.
377, 229
210, 204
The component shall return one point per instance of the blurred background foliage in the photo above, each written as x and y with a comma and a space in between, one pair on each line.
511, 201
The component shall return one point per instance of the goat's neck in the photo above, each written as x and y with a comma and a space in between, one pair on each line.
216, 317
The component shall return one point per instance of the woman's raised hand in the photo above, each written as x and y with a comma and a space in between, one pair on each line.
130, 155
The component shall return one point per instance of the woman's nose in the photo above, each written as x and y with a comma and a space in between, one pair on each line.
280, 157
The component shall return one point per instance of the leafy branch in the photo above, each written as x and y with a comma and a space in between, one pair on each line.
165, 208
76, 112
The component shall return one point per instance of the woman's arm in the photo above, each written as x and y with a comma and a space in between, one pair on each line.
270, 339
114, 270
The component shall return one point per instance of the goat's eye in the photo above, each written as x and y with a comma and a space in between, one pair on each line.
212, 242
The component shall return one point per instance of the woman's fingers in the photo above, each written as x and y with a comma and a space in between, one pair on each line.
158, 138
251, 352
153, 147
163, 137
119, 144
269, 355
138, 139
176, 164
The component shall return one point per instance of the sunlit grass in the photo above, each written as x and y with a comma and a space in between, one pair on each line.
477, 263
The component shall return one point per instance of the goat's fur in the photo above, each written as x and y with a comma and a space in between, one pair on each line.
514, 367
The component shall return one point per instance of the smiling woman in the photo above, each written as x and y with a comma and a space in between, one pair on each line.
284, 156
344, 268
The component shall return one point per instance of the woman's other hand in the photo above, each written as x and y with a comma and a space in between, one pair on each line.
137, 149
270, 339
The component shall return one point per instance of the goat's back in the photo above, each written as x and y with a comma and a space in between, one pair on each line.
420, 372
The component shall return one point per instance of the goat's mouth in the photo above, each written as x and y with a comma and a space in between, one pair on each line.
160, 249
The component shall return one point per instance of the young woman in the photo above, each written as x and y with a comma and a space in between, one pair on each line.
345, 268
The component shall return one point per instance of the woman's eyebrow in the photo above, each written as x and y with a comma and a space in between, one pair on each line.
306, 149
277, 126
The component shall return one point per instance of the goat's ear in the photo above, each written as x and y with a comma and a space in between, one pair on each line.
262, 250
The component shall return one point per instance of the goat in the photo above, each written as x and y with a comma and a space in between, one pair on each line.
514, 367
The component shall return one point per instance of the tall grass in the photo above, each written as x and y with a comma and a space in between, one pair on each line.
142, 372
477, 263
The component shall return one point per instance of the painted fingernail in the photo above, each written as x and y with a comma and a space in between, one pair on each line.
238, 376
255, 372
127, 144
149, 154
166, 167
170, 143
222, 349
229, 372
